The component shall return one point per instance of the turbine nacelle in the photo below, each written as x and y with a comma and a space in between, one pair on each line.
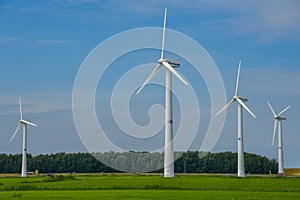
280, 118
241, 98
27, 122
173, 63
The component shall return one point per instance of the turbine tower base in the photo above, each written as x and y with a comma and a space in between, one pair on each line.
280, 174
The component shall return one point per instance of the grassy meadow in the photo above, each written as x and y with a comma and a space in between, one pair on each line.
139, 186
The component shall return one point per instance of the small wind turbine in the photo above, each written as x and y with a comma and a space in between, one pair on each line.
24, 123
278, 119
169, 64
241, 104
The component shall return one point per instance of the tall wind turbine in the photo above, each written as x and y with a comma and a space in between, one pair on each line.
241, 104
278, 119
169, 64
24, 151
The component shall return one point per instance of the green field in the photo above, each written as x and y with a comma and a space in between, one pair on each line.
123, 186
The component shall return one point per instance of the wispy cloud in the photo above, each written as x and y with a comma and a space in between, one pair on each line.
5, 6
142, 7
32, 9
272, 81
40, 104
268, 20
9, 39
40, 41
71, 2
49, 41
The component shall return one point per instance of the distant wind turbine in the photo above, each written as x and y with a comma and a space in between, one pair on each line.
278, 120
169, 64
241, 104
24, 150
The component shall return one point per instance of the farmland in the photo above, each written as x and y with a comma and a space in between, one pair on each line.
144, 186
292, 171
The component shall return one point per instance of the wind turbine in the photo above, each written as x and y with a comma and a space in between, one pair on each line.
278, 119
241, 104
169, 64
24, 123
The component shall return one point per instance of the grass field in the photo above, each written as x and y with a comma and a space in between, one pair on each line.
123, 186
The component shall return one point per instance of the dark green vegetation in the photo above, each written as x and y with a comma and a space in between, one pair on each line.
189, 162
137, 186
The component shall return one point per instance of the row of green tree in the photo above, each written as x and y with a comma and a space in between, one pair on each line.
187, 162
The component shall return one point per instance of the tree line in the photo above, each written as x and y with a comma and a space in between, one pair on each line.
187, 162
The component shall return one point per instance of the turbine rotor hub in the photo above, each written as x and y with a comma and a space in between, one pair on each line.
172, 62
161, 60
241, 98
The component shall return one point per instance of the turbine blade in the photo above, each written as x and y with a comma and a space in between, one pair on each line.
149, 77
284, 110
169, 67
20, 106
274, 131
225, 107
28, 122
164, 34
16, 131
238, 79
271, 108
244, 106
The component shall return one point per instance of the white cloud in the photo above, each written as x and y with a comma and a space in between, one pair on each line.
32, 9
268, 20
41, 104
5, 6
272, 81
48, 41
9, 39
40, 41
71, 2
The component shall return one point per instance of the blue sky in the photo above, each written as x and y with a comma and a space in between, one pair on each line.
43, 44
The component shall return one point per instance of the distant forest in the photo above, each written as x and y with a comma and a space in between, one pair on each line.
188, 162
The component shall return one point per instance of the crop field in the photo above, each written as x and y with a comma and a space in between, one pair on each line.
144, 186
292, 171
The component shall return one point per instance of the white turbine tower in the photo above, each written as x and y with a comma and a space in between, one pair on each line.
169, 64
24, 151
241, 104
278, 119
